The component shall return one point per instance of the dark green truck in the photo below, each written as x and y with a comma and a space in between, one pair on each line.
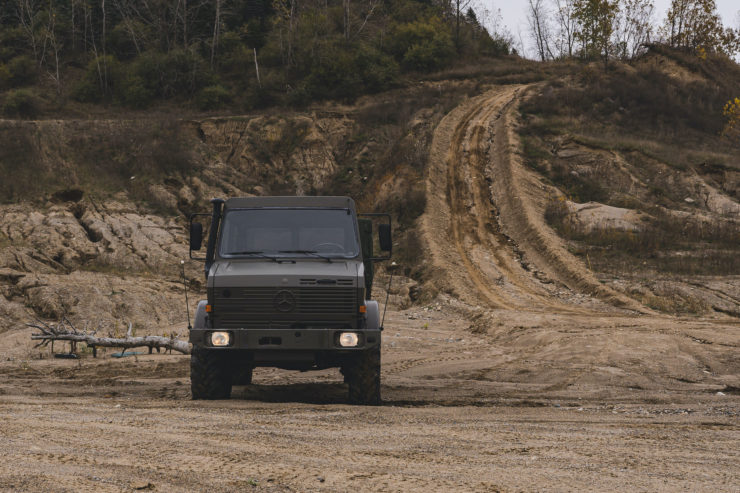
289, 281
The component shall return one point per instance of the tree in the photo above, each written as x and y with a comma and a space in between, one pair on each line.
635, 27
538, 18
695, 25
567, 27
731, 111
460, 7
596, 22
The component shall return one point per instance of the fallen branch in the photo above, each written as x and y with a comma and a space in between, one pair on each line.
65, 331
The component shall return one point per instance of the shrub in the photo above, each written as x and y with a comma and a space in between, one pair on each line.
22, 71
4, 77
102, 74
177, 73
21, 103
212, 97
423, 45
377, 70
333, 75
135, 92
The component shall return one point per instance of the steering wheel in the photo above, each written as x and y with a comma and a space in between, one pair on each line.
334, 247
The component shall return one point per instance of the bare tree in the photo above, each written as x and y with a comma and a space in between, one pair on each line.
216, 31
127, 21
66, 331
346, 18
539, 27
635, 27
566, 37
26, 12
50, 39
460, 6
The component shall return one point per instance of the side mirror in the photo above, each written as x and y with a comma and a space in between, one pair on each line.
196, 236
384, 237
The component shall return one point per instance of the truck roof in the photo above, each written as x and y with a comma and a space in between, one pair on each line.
319, 202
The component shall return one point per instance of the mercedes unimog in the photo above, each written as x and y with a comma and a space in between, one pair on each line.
289, 282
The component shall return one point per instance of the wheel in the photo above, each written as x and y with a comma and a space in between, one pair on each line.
243, 376
363, 376
209, 378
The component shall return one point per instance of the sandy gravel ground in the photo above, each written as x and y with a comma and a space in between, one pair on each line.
526, 374
462, 412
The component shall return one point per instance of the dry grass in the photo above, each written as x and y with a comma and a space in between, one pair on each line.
665, 243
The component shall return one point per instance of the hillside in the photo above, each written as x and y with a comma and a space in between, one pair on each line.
624, 173
564, 310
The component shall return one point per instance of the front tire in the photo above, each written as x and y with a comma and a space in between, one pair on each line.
363, 377
209, 378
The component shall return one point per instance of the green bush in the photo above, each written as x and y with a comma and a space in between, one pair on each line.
212, 97
177, 73
102, 76
4, 77
22, 70
423, 45
21, 103
135, 92
333, 75
377, 70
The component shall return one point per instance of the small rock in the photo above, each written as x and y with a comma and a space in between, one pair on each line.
720, 393
321, 479
142, 485
689, 200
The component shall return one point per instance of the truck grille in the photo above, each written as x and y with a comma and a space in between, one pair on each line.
244, 307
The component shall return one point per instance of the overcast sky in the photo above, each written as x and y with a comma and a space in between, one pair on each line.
514, 14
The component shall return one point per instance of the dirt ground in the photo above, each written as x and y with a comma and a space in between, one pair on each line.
526, 372
513, 409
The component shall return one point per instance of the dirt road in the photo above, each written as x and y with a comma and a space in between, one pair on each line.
527, 374
516, 409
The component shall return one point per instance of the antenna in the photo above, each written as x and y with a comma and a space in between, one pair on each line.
185, 284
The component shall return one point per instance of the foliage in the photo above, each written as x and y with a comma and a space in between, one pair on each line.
137, 53
696, 25
731, 111
212, 97
422, 45
596, 21
21, 103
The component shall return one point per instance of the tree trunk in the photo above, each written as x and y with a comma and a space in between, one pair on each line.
65, 331
216, 32
257, 68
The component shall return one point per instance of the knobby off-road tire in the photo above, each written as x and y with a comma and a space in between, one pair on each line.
242, 376
209, 378
363, 376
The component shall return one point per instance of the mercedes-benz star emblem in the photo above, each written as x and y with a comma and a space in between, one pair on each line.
284, 301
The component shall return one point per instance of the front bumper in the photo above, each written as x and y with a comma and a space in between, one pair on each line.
286, 339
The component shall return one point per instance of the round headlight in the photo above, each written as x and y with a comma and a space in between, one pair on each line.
348, 339
220, 338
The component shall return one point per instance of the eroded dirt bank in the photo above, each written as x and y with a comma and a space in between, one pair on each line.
525, 373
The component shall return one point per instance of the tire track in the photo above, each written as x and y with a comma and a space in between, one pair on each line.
482, 202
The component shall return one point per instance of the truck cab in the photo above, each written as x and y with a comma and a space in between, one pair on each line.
289, 281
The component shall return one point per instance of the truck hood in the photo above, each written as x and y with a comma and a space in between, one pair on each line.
264, 273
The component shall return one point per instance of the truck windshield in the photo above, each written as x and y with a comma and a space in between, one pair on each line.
315, 233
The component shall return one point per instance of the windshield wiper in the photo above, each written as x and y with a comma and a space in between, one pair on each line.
307, 252
258, 253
